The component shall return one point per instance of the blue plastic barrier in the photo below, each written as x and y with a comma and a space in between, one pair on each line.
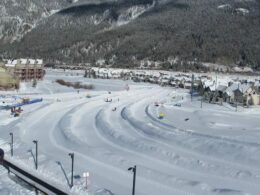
27, 103
21, 104
195, 94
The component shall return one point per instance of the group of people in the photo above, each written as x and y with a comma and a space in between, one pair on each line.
110, 100
16, 112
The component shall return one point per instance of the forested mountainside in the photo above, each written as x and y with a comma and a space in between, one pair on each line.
18, 17
126, 32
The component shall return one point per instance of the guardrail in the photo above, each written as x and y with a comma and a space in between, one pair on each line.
32, 180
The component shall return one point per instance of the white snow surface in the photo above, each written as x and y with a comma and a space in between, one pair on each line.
192, 150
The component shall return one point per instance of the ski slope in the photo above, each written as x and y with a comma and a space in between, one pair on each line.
192, 150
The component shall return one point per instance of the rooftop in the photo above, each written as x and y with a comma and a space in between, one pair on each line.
24, 62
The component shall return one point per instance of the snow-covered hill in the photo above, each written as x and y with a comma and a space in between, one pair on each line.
17, 17
125, 32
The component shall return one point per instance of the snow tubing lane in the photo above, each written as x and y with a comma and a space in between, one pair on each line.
199, 134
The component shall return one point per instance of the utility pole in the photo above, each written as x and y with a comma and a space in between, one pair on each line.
192, 86
216, 82
36, 153
12, 143
134, 178
72, 168
238, 89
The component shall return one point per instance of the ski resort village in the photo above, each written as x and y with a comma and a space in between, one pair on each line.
104, 131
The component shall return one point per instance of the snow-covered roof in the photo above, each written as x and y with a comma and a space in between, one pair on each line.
187, 84
238, 86
243, 10
224, 6
10, 65
103, 70
14, 62
164, 80
244, 87
166, 76
243, 69
208, 83
39, 61
32, 61
23, 61
221, 88
229, 91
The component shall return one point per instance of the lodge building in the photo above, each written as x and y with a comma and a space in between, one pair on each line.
26, 69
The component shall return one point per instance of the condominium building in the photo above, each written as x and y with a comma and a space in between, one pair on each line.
26, 69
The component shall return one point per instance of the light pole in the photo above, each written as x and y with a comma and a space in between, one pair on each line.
72, 168
134, 178
66, 177
201, 101
36, 153
12, 143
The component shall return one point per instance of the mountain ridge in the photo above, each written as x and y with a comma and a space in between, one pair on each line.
219, 32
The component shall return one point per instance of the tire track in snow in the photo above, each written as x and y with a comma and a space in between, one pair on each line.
219, 146
233, 173
192, 133
167, 134
74, 145
119, 139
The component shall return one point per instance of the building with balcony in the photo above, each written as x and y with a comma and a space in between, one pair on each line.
26, 69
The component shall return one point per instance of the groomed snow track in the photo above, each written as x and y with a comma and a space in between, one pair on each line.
216, 152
